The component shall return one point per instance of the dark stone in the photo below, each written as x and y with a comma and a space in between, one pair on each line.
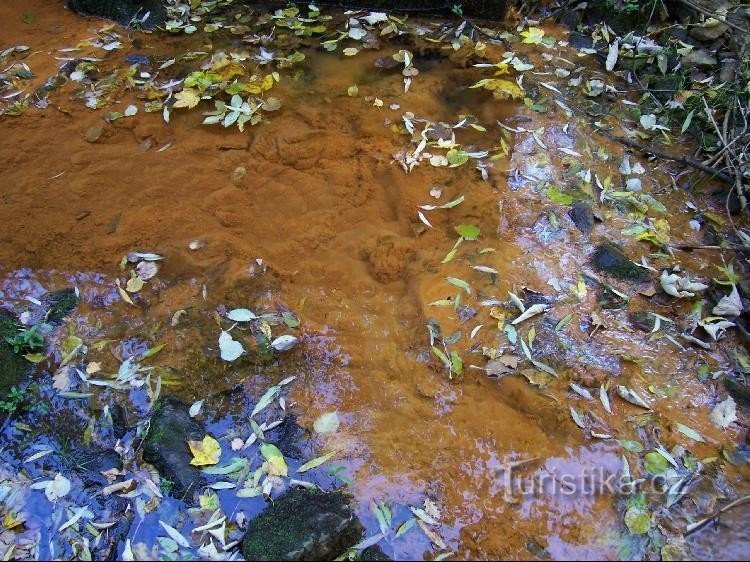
58, 305
644, 320
611, 260
374, 553
709, 33
569, 18
720, 198
303, 525
90, 463
123, 11
582, 215
165, 445
288, 437
699, 58
13, 367
580, 40
739, 391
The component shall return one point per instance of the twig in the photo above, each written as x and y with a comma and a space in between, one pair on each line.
714, 15
698, 524
691, 247
667, 156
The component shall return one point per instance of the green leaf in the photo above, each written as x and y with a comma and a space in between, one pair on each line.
456, 363
460, 283
638, 521
274, 457
290, 319
316, 462
632, 446
656, 464
687, 121
510, 331
558, 197
457, 157
468, 231
452, 254
564, 322
690, 432
442, 356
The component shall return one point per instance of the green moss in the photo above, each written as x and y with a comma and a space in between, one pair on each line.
303, 525
13, 367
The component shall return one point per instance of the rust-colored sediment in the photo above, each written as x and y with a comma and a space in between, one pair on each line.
315, 194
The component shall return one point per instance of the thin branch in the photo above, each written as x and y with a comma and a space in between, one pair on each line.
667, 156
698, 524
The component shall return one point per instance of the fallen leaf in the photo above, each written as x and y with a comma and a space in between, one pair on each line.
206, 452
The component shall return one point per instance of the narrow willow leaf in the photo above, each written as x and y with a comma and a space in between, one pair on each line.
690, 432
577, 418
316, 462
604, 398
564, 322
581, 391
460, 283
265, 400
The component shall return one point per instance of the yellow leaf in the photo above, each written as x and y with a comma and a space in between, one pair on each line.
275, 464
501, 88
12, 519
187, 98
267, 83
532, 36
205, 452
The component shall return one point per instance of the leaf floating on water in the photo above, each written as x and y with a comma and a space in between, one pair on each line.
581, 391
266, 399
724, 413
729, 305
123, 294
631, 396
206, 452
468, 231
230, 349
424, 219
327, 423
638, 521
195, 408
533, 310
284, 343
690, 432
422, 515
241, 315
604, 398
57, 488
276, 465
460, 283
134, 284
577, 418
175, 535
316, 462
405, 526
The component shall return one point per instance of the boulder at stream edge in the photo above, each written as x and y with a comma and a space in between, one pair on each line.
166, 445
303, 525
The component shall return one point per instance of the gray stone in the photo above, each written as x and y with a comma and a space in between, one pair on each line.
166, 445
303, 525
698, 58
582, 215
611, 260
708, 33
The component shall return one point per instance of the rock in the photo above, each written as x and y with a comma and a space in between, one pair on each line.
644, 320
582, 215
13, 367
59, 304
739, 391
709, 33
698, 58
580, 40
611, 260
94, 133
374, 553
303, 525
288, 437
165, 445
728, 70
90, 463
123, 11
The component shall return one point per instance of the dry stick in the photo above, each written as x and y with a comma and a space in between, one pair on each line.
698, 524
667, 156
714, 15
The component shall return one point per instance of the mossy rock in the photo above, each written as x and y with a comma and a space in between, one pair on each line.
122, 11
165, 445
59, 304
611, 260
303, 525
13, 367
